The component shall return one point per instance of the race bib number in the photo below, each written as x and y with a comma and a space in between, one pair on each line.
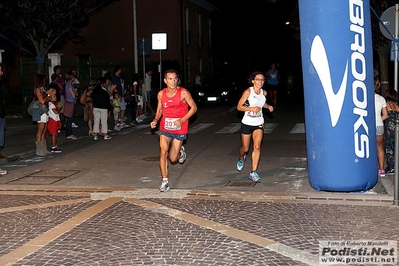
170, 124
254, 114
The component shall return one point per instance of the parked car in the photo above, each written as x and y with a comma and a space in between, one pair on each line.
217, 91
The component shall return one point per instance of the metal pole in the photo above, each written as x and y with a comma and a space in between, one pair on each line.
135, 55
396, 46
160, 70
144, 96
396, 173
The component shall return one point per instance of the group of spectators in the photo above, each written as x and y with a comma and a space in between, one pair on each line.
387, 113
107, 98
56, 104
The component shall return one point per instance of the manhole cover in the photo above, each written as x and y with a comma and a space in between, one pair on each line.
240, 184
31, 180
43, 177
151, 158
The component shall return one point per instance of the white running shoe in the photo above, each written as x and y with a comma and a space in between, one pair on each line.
183, 155
164, 186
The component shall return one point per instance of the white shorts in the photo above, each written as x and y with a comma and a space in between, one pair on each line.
380, 130
43, 118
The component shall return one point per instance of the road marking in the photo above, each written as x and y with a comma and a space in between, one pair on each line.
200, 127
235, 127
298, 128
52, 234
269, 127
232, 128
287, 251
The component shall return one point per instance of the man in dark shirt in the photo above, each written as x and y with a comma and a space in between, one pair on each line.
116, 80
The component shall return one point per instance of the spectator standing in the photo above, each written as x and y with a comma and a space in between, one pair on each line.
77, 85
117, 80
54, 85
139, 111
89, 117
41, 95
101, 103
148, 89
54, 123
381, 114
111, 88
140, 116
252, 101
392, 98
116, 111
175, 107
69, 105
134, 100
2, 115
61, 88
104, 72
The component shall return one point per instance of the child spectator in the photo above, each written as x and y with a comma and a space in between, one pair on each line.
116, 110
54, 123
139, 110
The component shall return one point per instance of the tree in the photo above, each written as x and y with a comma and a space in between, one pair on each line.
45, 24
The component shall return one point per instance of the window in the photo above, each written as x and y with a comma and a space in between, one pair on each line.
210, 32
199, 30
187, 25
188, 68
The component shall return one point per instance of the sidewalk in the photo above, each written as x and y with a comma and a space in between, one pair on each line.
21, 135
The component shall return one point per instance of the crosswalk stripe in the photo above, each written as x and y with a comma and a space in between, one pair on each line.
298, 128
200, 127
269, 127
235, 127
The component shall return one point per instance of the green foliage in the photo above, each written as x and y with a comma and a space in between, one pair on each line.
41, 25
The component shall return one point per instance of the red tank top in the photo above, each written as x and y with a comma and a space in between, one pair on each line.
172, 109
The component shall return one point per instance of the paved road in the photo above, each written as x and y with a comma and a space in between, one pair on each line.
97, 202
130, 159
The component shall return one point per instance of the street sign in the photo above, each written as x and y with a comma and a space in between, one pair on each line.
159, 41
388, 23
144, 42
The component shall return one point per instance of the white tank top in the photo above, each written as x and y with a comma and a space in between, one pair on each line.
251, 118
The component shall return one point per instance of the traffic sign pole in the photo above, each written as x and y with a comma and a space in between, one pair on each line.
396, 173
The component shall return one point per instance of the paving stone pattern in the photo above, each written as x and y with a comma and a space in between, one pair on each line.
55, 228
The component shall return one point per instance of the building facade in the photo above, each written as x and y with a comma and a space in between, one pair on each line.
118, 33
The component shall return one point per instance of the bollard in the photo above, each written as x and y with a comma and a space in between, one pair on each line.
396, 173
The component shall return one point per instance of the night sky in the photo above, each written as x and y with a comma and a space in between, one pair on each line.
253, 33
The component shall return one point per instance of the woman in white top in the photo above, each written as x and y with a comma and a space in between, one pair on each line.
251, 102
381, 113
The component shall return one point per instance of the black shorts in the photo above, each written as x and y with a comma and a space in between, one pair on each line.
247, 130
271, 87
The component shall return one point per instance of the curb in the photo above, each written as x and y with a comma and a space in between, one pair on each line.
388, 184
